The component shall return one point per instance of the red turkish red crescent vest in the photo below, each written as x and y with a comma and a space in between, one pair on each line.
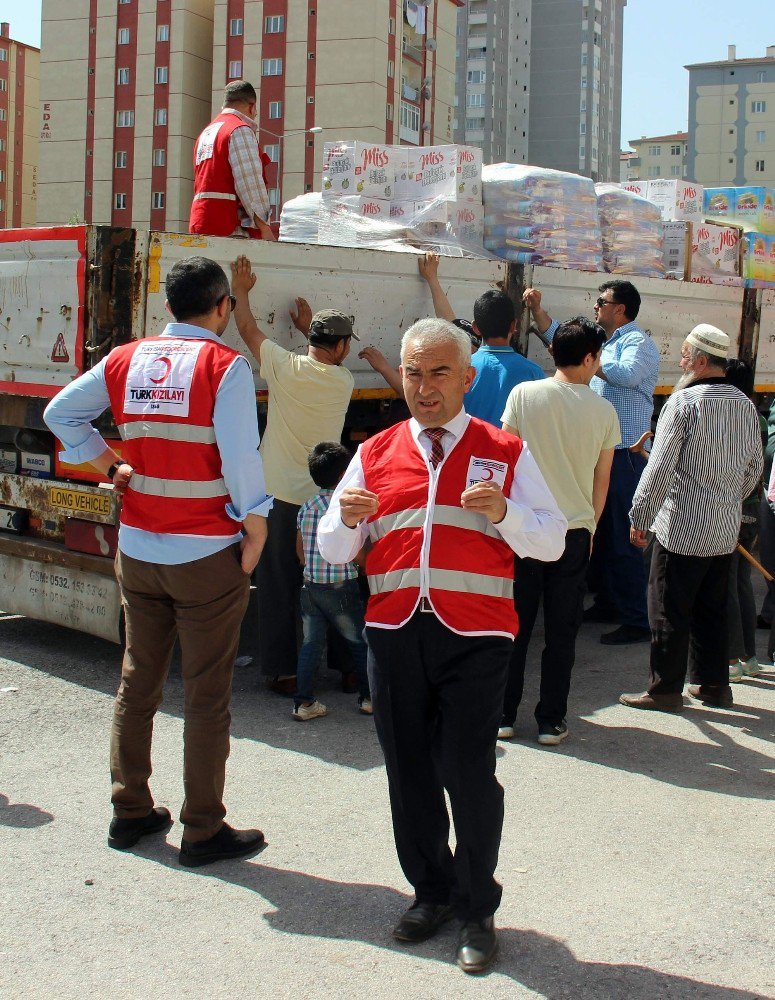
162, 393
214, 209
470, 570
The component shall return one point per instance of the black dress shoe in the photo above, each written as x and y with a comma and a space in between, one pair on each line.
478, 945
625, 635
421, 921
227, 843
124, 833
603, 616
762, 624
715, 695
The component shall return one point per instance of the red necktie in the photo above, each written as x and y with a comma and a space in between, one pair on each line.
435, 434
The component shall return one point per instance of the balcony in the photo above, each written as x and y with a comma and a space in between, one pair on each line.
410, 93
409, 124
411, 51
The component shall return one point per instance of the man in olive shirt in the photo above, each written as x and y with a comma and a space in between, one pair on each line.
308, 399
572, 432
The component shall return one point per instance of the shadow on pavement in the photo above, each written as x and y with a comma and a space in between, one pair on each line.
21, 815
307, 905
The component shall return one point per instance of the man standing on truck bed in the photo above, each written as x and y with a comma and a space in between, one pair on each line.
192, 481
230, 197
627, 378
308, 399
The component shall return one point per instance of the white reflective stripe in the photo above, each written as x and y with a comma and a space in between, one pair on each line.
451, 517
443, 579
178, 489
189, 433
218, 195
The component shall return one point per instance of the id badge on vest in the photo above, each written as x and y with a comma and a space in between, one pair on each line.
160, 376
486, 470
206, 144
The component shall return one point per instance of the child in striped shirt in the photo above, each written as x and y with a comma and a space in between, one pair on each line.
330, 595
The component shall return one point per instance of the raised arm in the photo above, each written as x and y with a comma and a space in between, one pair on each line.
532, 299
428, 266
242, 280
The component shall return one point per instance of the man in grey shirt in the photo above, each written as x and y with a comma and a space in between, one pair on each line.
707, 457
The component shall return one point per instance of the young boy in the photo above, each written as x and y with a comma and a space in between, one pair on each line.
330, 595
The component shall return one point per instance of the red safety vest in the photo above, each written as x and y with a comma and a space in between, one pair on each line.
162, 393
214, 210
470, 569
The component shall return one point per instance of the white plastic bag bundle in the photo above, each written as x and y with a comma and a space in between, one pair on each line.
632, 232
299, 219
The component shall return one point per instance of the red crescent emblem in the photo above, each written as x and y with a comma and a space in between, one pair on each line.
487, 475
167, 369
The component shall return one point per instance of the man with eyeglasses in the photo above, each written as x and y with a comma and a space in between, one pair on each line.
230, 196
627, 378
193, 527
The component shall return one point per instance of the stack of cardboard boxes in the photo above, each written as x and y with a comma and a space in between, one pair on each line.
753, 210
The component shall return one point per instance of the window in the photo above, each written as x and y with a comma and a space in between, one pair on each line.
476, 76
583, 129
120, 159
125, 119
391, 68
761, 76
162, 74
758, 107
389, 112
655, 150
3, 114
392, 26
119, 201
122, 76
274, 25
655, 171
3, 85
274, 196
271, 67
584, 104
163, 33
275, 109
235, 69
675, 171
160, 116
273, 152
159, 157
3, 55
675, 150
123, 36
236, 26
475, 100
158, 199
2, 145
760, 166
124, 1
761, 136
475, 123
2, 176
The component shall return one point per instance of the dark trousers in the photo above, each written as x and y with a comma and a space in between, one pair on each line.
617, 566
742, 605
767, 555
279, 579
688, 612
437, 700
561, 584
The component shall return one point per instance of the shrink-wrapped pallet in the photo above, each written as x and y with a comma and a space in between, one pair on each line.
631, 228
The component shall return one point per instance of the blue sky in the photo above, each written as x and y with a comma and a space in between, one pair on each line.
660, 38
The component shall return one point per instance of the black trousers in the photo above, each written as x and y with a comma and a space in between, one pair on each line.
688, 614
279, 578
437, 703
561, 584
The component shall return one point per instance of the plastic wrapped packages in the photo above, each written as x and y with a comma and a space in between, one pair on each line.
299, 219
539, 216
632, 232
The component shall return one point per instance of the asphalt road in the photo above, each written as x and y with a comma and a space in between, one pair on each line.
636, 858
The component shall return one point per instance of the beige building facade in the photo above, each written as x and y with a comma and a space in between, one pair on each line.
657, 156
124, 91
19, 78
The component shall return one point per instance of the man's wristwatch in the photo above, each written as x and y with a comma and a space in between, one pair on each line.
113, 470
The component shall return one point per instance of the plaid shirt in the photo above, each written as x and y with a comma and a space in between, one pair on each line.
630, 360
316, 569
245, 164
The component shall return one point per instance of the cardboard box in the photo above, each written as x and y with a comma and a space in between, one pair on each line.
759, 257
753, 208
431, 173
691, 251
469, 174
362, 169
679, 201
466, 222
641, 188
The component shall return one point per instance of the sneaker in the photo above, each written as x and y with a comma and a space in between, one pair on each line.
365, 706
736, 672
303, 713
550, 736
751, 667
506, 733
227, 843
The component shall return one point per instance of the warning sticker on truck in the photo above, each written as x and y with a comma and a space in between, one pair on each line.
79, 502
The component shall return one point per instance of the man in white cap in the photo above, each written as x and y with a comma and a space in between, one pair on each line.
707, 457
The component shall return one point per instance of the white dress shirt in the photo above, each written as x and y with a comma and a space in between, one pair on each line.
534, 527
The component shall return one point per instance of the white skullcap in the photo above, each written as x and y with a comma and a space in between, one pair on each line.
709, 339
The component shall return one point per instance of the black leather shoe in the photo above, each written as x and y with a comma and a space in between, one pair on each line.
124, 833
421, 921
478, 945
625, 635
715, 695
227, 843
601, 615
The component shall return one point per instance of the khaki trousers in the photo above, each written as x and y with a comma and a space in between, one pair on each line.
201, 603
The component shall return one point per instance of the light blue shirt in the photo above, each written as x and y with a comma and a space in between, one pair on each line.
235, 422
630, 361
498, 370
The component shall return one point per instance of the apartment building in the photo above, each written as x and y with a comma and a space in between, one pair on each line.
658, 156
125, 89
732, 120
381, 71
19, 125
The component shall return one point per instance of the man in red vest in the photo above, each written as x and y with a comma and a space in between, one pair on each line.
193, 526
446, 500
230, 196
